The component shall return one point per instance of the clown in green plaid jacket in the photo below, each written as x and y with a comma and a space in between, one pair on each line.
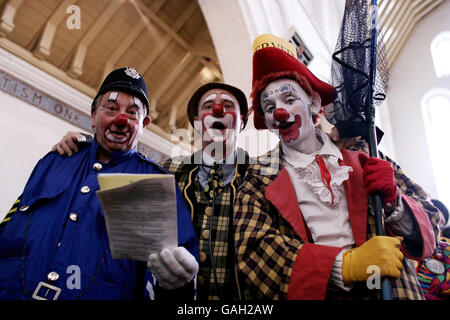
209, 180
220, 236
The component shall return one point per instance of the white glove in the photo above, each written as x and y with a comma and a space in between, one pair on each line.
173, 268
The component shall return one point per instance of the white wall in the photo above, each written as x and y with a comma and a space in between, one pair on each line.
412, 76
26, 135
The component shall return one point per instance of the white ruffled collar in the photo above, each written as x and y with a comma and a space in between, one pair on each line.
308, 170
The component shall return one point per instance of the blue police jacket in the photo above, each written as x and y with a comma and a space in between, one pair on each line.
59, 233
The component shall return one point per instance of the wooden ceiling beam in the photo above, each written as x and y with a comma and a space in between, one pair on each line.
164, 41
203, 48
420, 11
8, 15
184, 17
173, 119
154, 114
175, 36
76, 65
399, 25
124, 45
180, 102
45, 39
167, 81
172, 73
183, 95
157, 5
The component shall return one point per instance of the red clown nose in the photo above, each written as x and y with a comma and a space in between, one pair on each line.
281, 115
217, 110
121, 120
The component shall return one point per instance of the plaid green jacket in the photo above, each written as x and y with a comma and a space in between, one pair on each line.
275, 253
220, 236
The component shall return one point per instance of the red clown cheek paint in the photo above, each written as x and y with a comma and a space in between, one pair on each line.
293, 132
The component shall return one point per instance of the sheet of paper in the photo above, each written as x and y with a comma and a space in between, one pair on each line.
140, 213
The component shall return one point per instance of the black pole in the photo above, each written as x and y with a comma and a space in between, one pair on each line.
386, 288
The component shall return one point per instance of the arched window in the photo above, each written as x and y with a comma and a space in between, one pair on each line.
440, 52
436, 114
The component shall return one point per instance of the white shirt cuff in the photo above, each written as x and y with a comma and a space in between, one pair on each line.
336, 273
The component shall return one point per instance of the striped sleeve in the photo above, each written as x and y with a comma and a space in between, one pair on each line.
10, 213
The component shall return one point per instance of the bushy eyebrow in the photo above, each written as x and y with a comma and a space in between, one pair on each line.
285, 88
226, 97
266, 94
113, 96
211, 97
138, 103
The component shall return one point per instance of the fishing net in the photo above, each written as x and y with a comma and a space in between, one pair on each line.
350, 69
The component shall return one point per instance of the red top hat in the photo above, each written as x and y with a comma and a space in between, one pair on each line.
272, 63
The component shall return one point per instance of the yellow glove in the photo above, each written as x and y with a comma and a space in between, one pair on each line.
380, 251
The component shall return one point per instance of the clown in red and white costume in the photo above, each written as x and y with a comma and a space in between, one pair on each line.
304, 229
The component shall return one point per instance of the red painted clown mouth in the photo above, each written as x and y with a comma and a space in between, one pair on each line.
218, 129
116, 136
289, 131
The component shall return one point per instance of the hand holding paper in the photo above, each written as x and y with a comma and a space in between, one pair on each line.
173, 268
140, 213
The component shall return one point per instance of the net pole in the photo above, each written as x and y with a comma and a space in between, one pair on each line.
386, 288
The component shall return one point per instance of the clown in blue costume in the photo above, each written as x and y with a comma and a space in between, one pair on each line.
57, 226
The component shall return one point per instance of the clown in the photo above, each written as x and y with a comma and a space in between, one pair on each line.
57, 223
304, 229
217, 116
209, 180
117, 121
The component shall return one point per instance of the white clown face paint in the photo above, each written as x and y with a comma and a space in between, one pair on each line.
209, 98
220, 116
286, 112
118, 123
113, 96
